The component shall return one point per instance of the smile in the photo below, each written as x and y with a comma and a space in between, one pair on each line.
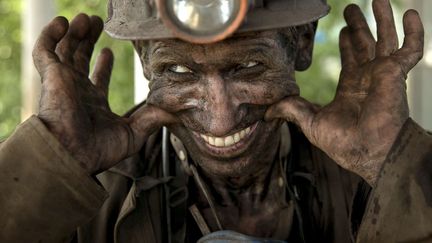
231, 140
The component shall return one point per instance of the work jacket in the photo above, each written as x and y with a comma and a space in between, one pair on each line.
47, 197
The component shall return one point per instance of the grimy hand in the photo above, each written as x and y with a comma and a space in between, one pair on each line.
358, 128
74, 108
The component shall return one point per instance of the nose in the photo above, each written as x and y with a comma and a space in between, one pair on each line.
220, 106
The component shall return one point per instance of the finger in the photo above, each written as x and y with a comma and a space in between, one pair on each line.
348, 84
102, 71
361, 36
387, 36
44, 50
85, 49
78, 29
294, 109
146, 120
412, 50
346, 49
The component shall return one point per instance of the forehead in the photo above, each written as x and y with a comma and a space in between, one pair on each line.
240, 42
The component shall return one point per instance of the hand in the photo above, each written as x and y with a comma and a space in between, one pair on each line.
358, 128
76, 110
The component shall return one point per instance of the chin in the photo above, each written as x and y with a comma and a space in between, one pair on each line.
243, 152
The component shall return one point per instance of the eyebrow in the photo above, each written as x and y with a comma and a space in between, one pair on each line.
164, 55
244, 49
261, 53
253, 52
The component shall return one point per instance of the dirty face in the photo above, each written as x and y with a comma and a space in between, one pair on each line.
220, 93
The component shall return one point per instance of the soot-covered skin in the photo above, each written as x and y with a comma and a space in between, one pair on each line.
74, 104
218, 90
217, 97
370, 105
222, 89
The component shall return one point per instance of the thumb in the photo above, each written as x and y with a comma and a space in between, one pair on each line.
147, 119
294, 109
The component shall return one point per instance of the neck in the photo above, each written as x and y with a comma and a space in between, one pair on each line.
240, 201
251, 188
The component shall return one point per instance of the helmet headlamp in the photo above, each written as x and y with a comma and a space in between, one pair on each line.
202, 21
206, 21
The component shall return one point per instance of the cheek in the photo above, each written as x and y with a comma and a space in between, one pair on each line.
265, 92
173, 97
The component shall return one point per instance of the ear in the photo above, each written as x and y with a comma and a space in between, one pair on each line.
305, 44
140, 46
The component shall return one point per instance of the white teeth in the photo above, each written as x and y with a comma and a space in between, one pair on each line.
226, 141
205, 137
219, 142
211, 141
229, 141
242, 134
236, 138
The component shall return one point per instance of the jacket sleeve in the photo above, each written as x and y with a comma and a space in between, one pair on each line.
400, 207
44, 193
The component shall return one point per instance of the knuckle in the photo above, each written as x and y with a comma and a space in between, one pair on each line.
81, 59
37, 51
418, 55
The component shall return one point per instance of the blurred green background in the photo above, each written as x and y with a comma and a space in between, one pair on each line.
317, 84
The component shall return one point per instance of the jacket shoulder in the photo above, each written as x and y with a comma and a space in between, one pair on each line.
400, 208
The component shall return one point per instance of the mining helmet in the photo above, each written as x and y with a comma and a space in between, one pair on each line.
206, 21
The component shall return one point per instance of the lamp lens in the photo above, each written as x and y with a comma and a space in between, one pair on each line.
202, 17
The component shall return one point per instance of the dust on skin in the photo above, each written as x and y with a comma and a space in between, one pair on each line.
219, 90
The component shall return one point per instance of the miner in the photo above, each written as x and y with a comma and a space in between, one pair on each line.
223, 149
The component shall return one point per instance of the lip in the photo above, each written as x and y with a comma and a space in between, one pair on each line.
230, 151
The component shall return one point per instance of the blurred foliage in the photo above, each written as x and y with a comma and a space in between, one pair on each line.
10, 59
121, 87
317, 84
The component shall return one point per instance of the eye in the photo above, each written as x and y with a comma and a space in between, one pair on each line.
179, 69
249, 64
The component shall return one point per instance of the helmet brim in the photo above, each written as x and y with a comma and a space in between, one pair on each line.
294, 13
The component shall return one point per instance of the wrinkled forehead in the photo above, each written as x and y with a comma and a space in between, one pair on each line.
270, 39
